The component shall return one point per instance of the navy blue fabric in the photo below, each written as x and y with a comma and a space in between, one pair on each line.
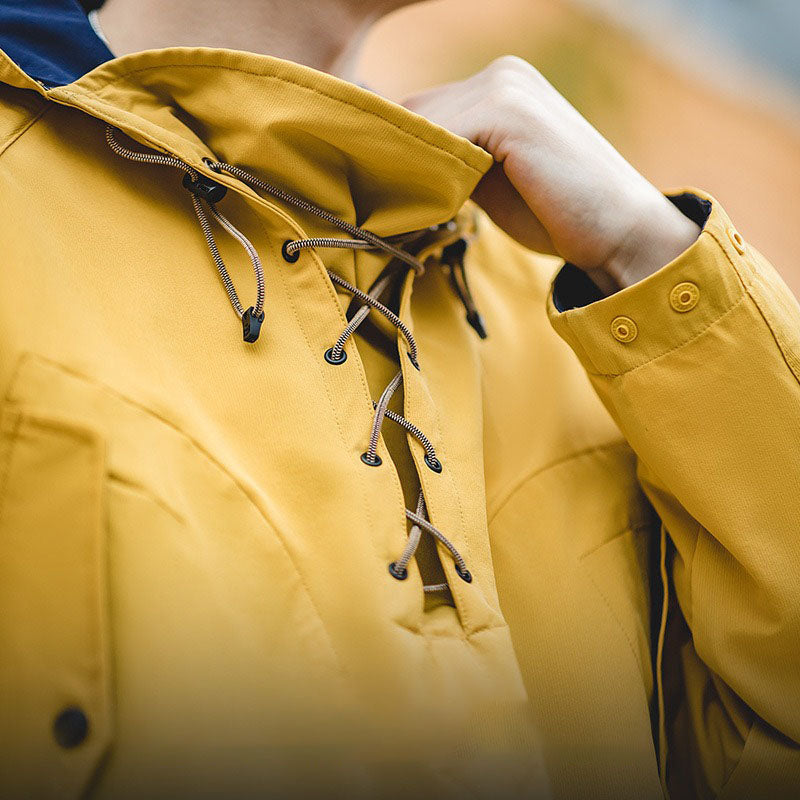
52, 40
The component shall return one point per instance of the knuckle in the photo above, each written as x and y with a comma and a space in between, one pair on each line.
511, 64
510, 71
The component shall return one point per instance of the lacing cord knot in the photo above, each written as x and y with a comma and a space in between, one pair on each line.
206, 193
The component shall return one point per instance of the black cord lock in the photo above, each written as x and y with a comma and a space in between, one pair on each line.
251, 324
204, 188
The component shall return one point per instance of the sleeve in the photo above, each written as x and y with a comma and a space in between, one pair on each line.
699, 364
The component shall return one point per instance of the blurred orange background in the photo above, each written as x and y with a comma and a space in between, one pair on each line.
720, 126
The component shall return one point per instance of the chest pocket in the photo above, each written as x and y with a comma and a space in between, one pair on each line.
54, 649
134, 561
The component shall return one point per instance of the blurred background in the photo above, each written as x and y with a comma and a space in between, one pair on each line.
693, 92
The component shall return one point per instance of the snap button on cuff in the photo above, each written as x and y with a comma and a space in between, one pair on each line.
736, 240
684, 296
624, 329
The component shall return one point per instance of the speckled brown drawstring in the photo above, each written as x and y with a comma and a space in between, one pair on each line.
210, 192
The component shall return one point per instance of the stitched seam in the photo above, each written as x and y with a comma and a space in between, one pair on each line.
637, 528
621, 443
235, 186
6, 465
697, 335
462, 635
786, 351
740, 760
26, 126
134, 487
636, 656
110, 112
465, 617
745, 285
701, 531
727, 255
328, 285
347, 104
461, 607
212, 460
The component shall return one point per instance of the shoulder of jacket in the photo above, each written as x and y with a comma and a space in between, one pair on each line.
19, 109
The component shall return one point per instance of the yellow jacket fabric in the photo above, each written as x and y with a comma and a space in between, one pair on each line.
193, 556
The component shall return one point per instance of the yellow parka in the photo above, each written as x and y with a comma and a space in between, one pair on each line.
195, 592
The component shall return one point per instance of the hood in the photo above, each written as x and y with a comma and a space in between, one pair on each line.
51, 40
342, 147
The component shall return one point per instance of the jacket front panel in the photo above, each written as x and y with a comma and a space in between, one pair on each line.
235, 501
219, 605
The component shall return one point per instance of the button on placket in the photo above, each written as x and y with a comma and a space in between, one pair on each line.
70, 727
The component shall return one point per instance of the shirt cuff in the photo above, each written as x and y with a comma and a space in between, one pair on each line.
614, 334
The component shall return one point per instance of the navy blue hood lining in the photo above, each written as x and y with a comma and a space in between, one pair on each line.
51, 40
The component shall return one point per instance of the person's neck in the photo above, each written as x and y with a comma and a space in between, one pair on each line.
295, 30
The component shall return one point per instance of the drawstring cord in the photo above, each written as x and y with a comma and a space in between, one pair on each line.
210, 192
253, 317
363, 237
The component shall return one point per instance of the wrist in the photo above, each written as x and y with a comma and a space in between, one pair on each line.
659, 235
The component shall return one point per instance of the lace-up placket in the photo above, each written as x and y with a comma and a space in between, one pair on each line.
209, 192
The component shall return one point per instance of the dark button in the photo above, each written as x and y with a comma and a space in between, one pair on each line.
71, 727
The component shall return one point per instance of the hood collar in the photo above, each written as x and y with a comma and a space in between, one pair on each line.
346, 149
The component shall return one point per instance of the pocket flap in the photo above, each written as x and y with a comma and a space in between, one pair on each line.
54, 654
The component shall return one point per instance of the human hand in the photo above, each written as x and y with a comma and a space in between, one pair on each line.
557, 186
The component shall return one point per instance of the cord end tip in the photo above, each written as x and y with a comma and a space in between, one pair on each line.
251, 324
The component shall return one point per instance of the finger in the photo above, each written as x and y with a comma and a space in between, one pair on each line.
504, 205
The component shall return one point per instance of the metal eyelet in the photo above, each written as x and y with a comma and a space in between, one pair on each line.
465, 575
287, 256
397, 574
329, 357
433, 463
371, 461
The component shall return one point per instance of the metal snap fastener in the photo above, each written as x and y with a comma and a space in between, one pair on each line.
684, 296
624, 329
736, 240
70, 727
